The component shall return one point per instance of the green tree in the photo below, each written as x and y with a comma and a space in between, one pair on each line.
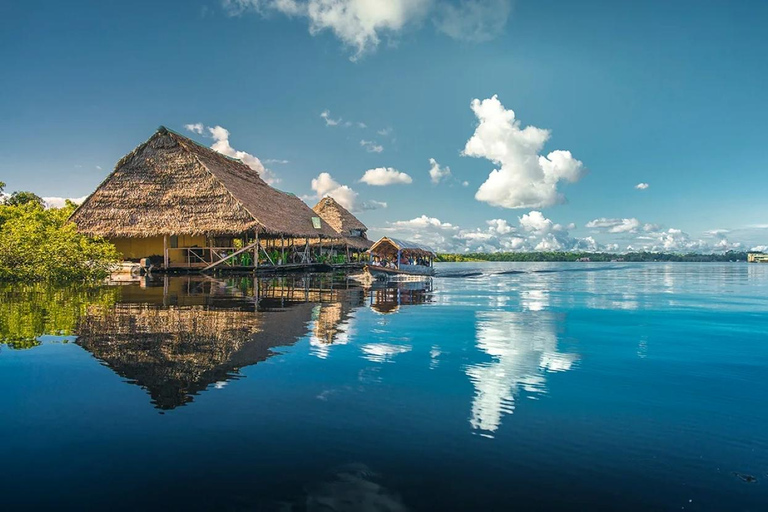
40, 245
21, 197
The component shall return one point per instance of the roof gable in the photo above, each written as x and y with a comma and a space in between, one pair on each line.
172, 185
337, 216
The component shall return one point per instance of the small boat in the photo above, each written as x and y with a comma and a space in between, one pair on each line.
392, 259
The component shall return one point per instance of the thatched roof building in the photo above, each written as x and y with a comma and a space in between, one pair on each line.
171, 185
347, 225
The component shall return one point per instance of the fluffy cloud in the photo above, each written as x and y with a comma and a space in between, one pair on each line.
536, 232
221, 144
361, 24
221, 137
371, 146
324, 185
329, 121
642, 186
61, 202
196, 128
473, 20
615, 225
533, 233
382, 176
437, 173
525, 179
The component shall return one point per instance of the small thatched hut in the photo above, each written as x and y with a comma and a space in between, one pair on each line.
175, 198
352, 232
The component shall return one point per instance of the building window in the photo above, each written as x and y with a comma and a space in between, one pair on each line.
174, 241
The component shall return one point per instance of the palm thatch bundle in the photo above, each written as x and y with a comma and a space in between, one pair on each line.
349, 227
170, 185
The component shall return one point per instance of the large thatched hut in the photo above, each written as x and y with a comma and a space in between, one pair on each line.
191, 206
352, 232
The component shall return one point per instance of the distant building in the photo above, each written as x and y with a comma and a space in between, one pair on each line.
757, 257
353, 233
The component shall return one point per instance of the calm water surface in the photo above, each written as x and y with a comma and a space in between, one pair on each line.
494, 387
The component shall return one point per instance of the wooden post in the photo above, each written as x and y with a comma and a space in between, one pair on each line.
165, 252
282, 250
398, 258
256, 252
347, 249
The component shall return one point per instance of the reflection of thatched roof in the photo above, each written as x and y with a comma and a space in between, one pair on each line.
340, 219
391, 296
170, 185
175, 353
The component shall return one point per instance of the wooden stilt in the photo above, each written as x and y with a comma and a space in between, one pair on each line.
165, 252
256, 252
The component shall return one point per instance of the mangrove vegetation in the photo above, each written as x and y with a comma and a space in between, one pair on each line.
38, 244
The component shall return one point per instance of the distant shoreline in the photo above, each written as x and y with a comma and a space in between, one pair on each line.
730, 256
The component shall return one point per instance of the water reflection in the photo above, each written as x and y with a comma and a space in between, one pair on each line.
176, 337
523, 347
387, 298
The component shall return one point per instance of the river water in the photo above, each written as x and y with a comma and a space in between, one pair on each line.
497, 386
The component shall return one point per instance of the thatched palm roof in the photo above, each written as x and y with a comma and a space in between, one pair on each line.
340, 219
337, 216
170, 185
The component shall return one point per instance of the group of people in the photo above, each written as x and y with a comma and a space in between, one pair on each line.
404, 260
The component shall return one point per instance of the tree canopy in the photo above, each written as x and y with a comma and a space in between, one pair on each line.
38, 244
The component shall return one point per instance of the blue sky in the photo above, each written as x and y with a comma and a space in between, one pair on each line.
672, 94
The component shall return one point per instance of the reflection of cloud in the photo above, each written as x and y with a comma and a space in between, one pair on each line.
434, 354
383, 352
353, 488
330, 326
523, 347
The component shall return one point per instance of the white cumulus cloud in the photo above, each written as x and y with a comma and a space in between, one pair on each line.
359, 24
525, 179
61, 202
383, 176
438, 173
221, 137
324, 185
221, 144
533, 233
615, 225
362, 24
642, 186
195, 127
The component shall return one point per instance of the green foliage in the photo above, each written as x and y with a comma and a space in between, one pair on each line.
593, 256
40, 245
20, 198
30, 311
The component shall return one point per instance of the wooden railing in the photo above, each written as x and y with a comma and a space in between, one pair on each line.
204, 256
